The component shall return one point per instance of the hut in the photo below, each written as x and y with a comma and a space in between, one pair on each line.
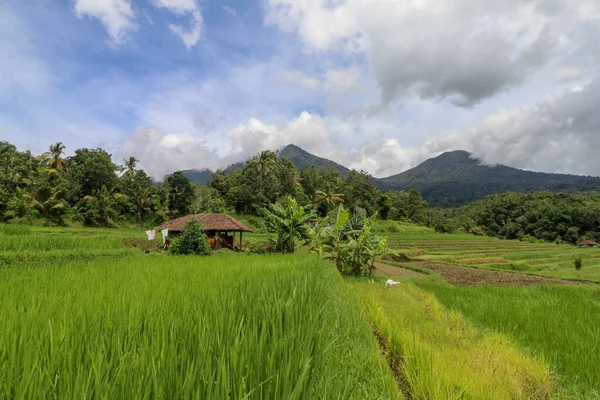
217, 228
588, 243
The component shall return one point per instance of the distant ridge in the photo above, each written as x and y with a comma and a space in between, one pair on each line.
452, 179
456, 178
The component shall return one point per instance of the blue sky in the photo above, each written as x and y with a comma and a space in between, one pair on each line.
379, 85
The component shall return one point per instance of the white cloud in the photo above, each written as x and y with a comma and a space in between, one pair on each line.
298, 78
117, 16
162, 154
342, 79
464, 51
191, 35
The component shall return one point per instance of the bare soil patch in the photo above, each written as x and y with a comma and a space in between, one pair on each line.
464, 276
390, 270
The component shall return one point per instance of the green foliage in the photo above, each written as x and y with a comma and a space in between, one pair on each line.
578, 263
180, 194
192, 241
547, 216
349, 242
290, 222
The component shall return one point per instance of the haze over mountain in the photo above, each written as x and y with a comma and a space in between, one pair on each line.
451, 179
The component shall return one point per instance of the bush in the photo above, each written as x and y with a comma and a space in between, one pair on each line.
578, 263
255, 246
192, 241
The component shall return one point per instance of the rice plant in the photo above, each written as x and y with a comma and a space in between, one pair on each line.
562, 324
234, 326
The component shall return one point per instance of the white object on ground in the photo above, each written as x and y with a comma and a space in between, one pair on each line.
390, 282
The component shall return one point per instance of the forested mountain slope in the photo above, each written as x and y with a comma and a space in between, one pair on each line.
455, 178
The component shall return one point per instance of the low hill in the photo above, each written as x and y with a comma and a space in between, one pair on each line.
456, 178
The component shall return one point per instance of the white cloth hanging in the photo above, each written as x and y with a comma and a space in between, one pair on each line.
165, 233
151, 234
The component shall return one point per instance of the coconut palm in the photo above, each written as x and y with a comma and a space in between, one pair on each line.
290, 222
143, 200
329, 197
130, 164
106, 199
47, 200
53, 157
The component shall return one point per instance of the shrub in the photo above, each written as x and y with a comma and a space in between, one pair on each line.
255, 246
578, 263
192, 241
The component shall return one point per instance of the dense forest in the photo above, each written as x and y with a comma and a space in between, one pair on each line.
89, 188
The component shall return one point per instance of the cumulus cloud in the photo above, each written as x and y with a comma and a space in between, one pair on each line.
117, 16
161, 154
559, 133
464, 51
190, 35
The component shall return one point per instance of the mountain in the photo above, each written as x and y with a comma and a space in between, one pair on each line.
199, 177
456, 178
450, 180
303, 159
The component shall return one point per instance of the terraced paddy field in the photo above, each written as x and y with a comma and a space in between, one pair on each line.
546, 259
97, 313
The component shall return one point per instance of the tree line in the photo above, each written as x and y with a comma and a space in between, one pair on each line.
88, 187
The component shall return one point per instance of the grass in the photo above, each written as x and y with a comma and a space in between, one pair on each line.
441, 355
232, 326
545, 259
562, 324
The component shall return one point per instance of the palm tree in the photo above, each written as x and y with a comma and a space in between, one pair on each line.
143, 200
290, 222
329, 197
53, 157
46, 200
266, 162
106, 198
130, 164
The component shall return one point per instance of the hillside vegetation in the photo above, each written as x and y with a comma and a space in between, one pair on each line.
455, 178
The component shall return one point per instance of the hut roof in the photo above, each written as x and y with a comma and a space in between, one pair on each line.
588, 243
209, 222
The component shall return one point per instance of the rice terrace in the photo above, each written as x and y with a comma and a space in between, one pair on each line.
84, 315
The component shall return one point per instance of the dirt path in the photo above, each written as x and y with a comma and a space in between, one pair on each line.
463, 276
390, 270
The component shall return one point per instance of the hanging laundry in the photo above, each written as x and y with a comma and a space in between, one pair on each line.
151, 234
165, 233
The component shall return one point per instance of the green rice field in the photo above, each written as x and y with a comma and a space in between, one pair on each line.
101, 313
547, 259
558, 324
166, 327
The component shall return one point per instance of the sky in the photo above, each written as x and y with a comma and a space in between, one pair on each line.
378, 85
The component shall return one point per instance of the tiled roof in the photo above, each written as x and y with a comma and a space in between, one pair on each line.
209, 222
588, 243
